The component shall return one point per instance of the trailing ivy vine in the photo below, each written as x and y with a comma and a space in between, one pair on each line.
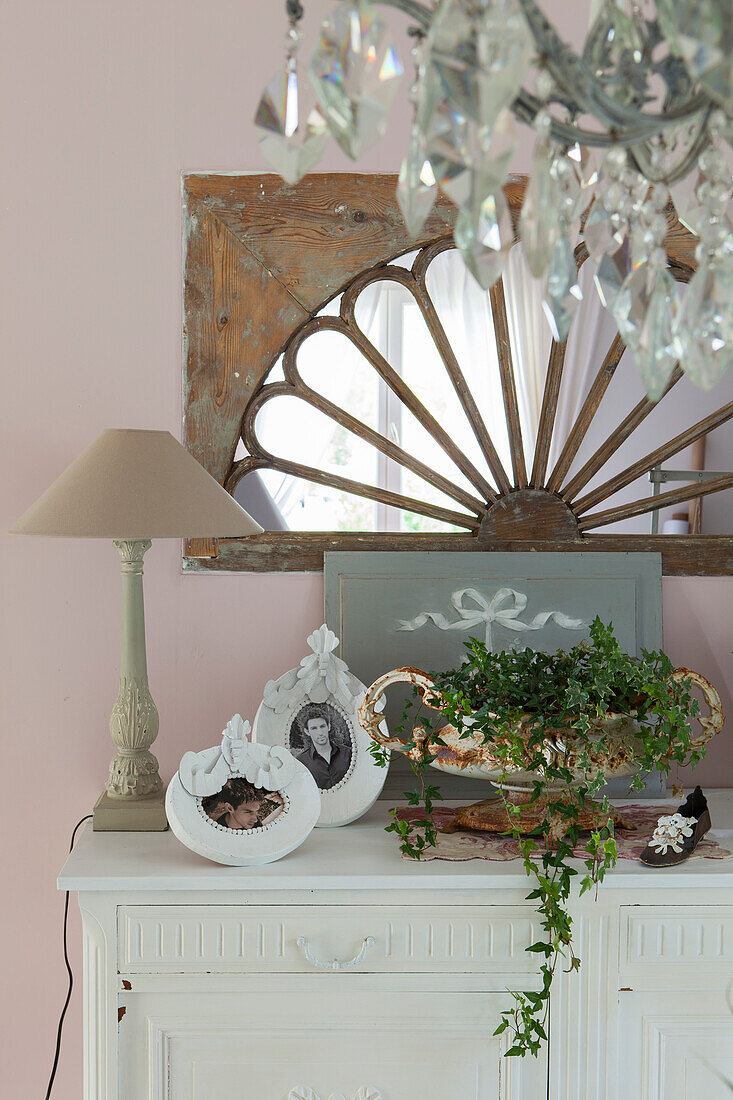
570, 689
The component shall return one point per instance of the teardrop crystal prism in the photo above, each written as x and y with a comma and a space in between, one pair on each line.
701, 33
355, 71
601, 231
585, 165
562, 291
656, 350
416, 186
612, 272
646, 311
705, 326
629, 307
686, 203
538, 222
614, 52
291, 146
479, 53
484, 236
469, 161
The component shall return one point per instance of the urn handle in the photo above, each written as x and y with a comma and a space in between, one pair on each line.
371, 719
712, 723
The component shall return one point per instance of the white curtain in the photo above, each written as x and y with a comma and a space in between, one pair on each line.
530, 341
465, 313
590, 337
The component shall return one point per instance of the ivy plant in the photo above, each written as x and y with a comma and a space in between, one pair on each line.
570, 689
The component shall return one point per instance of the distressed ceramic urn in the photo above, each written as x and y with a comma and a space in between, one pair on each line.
463, 752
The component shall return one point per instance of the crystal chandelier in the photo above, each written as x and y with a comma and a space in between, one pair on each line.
639, 122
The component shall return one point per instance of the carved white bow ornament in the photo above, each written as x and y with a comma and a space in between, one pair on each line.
491, 611
204, 773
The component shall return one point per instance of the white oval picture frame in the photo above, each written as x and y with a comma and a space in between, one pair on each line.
323, 693
238, 765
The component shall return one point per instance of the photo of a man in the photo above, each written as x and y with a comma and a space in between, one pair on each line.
320, 738
240, 806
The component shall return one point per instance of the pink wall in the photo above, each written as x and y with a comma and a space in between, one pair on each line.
104, 105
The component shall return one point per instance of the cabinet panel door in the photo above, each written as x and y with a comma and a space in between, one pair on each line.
676, 1046
318, 1044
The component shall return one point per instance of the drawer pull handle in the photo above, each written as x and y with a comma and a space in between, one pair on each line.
336, 964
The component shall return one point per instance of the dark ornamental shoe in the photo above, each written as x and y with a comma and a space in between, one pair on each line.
677, 835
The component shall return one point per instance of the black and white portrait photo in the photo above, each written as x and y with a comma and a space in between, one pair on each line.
321, 739
239, 805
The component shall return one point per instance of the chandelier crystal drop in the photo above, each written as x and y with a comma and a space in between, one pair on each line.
292, 144
562, 290
355, 70
416, 186
417, 189
629, 131
483, 234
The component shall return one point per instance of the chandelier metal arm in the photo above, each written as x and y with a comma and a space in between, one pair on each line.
526, 106
646, 166
413, 9
575, 79
626, 125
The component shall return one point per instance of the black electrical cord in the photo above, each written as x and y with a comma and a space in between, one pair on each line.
68, 971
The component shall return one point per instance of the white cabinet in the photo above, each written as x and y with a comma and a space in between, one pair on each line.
346, 973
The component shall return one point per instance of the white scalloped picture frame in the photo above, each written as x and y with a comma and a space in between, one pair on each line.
270, 841
325, 681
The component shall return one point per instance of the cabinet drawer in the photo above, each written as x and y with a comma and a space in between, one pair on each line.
673, 940
305, 939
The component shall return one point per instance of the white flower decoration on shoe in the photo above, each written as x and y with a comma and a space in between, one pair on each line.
671, 832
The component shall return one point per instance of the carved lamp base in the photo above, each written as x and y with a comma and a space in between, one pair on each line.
134, 796
141, 815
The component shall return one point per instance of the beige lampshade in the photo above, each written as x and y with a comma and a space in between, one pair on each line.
133, 484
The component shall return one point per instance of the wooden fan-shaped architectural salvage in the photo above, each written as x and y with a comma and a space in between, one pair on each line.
262, 259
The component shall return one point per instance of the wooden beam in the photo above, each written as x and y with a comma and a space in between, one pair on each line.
461, 387
609, 447
399, 387
654, 458
298, 551
589, 409
651, 504
508, 382
339, 416
315, 236
553, 378
232, 335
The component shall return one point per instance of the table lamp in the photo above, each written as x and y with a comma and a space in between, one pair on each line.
132, 486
